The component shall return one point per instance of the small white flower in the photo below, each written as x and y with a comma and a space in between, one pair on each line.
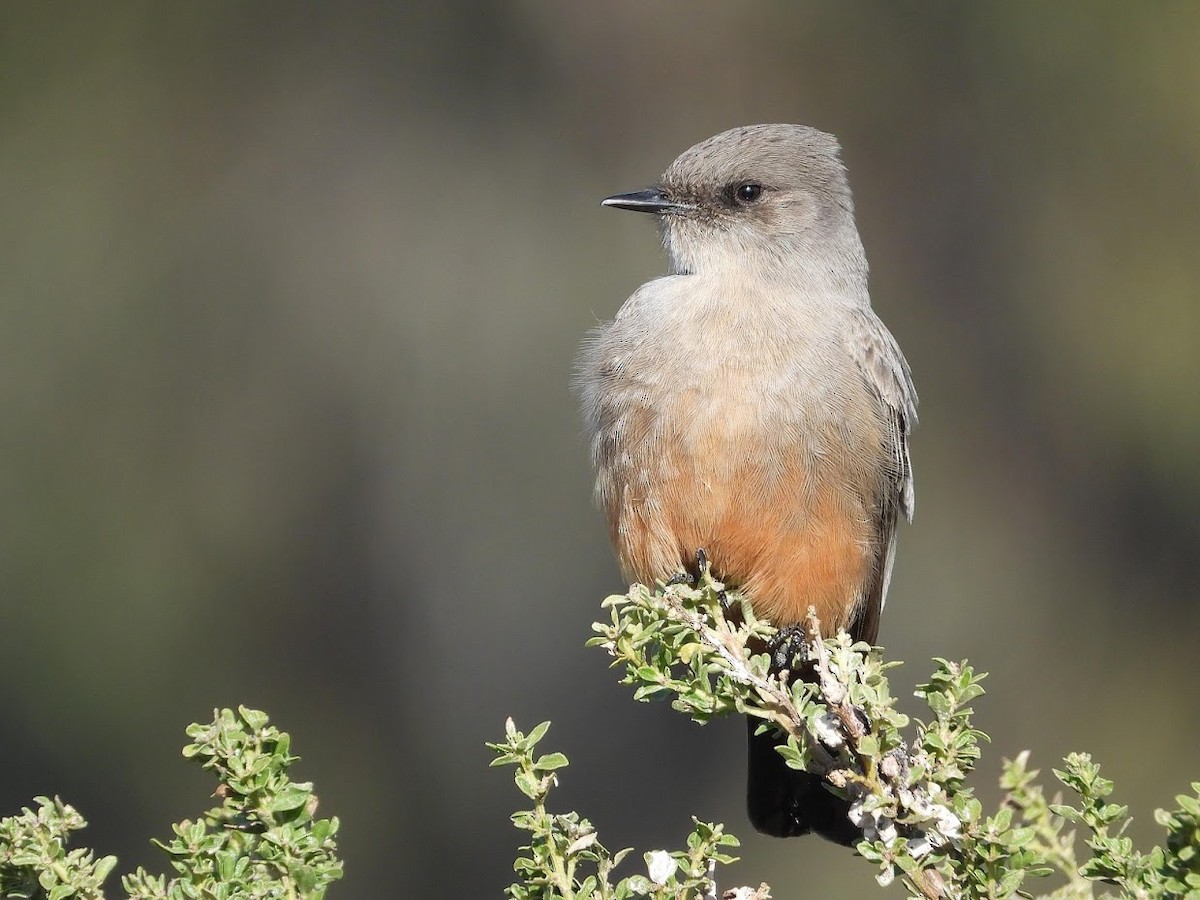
660, 865
918, 847
834, 692
918, 804
886, 877
828, 734
856, 812
886, 828
948, 823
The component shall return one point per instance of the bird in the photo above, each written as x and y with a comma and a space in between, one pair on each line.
750, 404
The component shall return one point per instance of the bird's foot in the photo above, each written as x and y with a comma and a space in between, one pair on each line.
686, 575
788, 649
725, 600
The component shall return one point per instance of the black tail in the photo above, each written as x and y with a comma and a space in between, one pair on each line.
785, 802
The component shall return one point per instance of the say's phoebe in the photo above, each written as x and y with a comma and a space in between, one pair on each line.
752, 405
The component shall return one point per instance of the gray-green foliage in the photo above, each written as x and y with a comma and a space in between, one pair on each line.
35, 862
564, 857
907, 781
262, 841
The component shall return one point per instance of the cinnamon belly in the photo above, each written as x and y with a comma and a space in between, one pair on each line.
790, 540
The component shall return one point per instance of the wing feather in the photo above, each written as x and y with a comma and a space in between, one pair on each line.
889, 377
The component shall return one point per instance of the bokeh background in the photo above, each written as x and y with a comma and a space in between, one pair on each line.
290, 295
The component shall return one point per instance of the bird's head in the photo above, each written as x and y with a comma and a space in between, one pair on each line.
764, 196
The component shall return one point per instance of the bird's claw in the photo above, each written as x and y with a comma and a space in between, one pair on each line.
788, 649
683, 576
724, 600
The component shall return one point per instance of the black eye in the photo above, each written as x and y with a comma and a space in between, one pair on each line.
748, 192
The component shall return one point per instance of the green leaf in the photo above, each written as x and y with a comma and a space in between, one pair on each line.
550, 762
292, 797
1003, 818
1021, 837
104, 866
1010, 881
538, 732
255, 719
1189, 805
1066, 812
528, 785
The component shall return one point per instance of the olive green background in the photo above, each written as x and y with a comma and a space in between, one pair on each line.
289, 295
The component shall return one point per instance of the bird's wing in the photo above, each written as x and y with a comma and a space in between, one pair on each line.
887, 373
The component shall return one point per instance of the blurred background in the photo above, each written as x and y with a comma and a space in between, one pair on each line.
290, 296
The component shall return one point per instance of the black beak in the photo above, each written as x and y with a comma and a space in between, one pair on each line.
651, 200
